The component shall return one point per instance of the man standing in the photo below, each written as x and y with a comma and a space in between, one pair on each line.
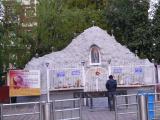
111, 86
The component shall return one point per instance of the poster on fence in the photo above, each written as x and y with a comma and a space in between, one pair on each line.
24, 83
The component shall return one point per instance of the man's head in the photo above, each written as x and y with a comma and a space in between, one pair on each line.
111, 77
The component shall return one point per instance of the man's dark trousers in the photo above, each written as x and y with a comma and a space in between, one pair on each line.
111, 100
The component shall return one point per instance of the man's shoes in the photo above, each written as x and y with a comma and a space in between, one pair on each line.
112, 109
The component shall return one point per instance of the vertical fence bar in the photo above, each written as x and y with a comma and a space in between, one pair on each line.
40, 111
1, 112
62, 111
138, 118
47, 111
48, 86
80, 109
116, 117
54, 108
142, 102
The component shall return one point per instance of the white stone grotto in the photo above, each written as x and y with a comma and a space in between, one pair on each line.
110, 52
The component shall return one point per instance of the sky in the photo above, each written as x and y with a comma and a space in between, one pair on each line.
152, 8
1, 11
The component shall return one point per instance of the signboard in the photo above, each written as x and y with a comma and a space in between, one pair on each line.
117, 70
76, 72
24, 82
61, 74
138, 70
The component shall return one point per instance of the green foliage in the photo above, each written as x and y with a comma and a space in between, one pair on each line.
155, 30
11, 37
58, 20
129, 21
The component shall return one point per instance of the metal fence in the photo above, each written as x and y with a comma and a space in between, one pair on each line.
20, 110
143, 106
135, 74
125, 110
94, 78
67, 109
66, 78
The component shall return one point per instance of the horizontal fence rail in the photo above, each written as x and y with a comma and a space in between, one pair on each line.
64, 109
16, 110
146, 106
126, 109
67, 109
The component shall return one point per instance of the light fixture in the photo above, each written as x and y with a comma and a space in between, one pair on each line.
83, 63
52, 48
36, 55
75, 34
136, 52
109, 61
47, 64
93, 22
154, 44
153, 60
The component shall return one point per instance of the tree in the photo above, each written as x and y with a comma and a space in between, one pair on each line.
58, 20
12, 38
129, 21
155, 30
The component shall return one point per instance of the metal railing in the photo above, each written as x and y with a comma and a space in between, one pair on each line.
16, 110
147, 107
67, 109
123, 109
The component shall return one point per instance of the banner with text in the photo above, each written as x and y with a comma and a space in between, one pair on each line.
24, 82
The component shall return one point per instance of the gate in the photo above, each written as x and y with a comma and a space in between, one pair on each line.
124, 110
96, 78
144, 106
67, 109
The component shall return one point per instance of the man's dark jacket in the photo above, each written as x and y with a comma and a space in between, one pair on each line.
111, 85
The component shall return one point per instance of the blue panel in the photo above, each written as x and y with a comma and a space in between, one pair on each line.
117, 70
61, 74
76, 72
151, 99
138, 70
